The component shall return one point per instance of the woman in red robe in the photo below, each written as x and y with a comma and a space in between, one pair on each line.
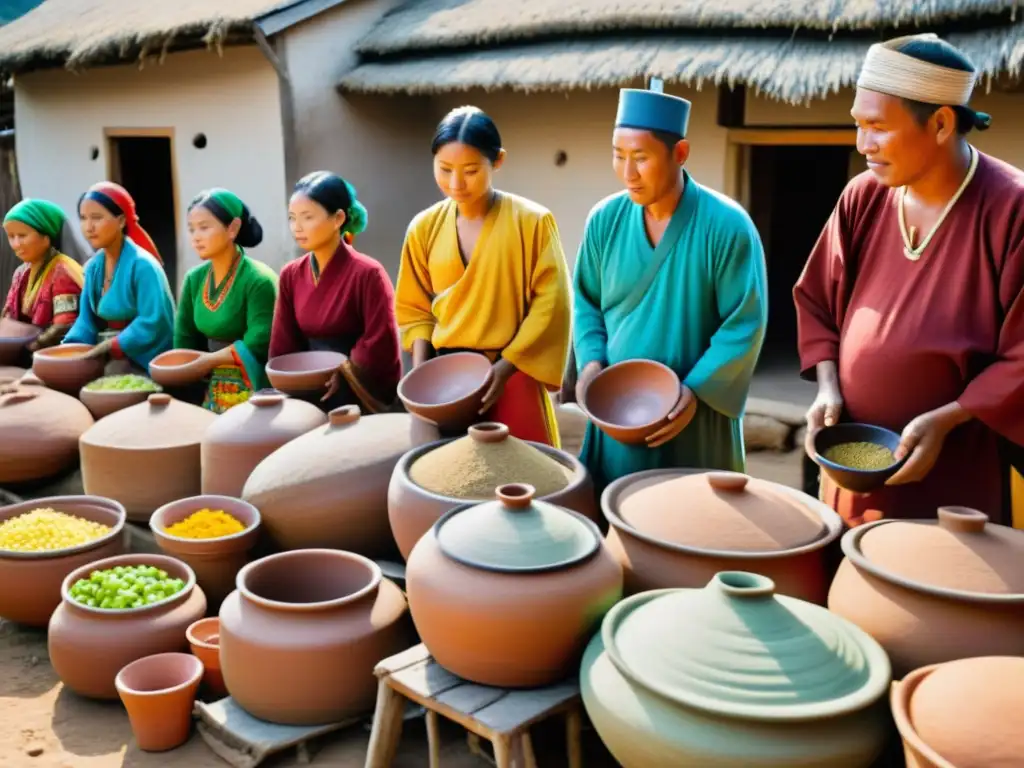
335, 298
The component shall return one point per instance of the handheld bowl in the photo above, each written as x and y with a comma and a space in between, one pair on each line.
448, 390
850, 478
631, 400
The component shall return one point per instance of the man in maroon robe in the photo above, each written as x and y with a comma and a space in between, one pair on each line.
910, 313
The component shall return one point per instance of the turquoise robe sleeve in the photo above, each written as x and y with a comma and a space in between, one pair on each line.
590, 336
86, 328
151, 332
721, 377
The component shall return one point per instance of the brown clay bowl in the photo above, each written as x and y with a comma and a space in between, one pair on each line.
631, 400
204, 639
172, 368
39, 575
158, 692
216, 562
14, 335
103, 402
302, 372
448, 390
62, 367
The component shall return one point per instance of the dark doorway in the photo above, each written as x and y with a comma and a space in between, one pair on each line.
143, 165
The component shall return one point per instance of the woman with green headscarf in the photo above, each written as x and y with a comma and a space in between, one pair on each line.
226, 305
47, 286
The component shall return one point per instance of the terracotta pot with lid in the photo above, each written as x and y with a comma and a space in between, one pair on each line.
507, 592
39, 430
932, 591
679, 527
329, 487
734, 676
147, 455
413, 509
240, 438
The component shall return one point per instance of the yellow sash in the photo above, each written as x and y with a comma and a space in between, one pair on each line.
34, 284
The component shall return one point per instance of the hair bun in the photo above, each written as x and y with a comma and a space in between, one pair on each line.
250, 234
356, 218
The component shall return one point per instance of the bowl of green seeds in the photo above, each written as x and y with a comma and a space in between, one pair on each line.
109, 394
857, 457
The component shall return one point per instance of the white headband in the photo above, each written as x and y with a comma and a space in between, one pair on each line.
886, 70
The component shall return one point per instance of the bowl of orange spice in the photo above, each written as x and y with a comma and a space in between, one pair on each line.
213, 534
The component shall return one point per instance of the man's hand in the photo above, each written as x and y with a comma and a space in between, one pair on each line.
587, 375
501, 372
922, 441
678, 419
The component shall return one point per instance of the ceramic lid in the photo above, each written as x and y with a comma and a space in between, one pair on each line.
965, 711
160, 422
266, 417
960, 554
722, 511
735, 648
516, 534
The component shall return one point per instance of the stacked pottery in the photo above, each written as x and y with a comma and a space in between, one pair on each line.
734, 676
329, 487
147, 455
301, 635
678, 527
507, 592
932, 591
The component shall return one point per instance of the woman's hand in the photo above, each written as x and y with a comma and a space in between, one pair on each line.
333, 385
678, 419
587, 375
203, 365
100, 350
501, 372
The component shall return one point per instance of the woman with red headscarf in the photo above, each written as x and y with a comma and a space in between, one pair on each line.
127, 309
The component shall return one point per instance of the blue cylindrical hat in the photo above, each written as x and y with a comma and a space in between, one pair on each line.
652, 111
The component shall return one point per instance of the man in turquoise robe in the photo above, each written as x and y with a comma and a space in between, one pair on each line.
671, 271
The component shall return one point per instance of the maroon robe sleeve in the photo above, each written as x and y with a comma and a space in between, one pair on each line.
377, 351
285, 335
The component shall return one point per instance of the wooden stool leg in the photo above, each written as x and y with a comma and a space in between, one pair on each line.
434, 739
502, 751
529, 758
573, 738
387, 727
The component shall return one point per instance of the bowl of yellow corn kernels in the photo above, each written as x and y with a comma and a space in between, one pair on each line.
43, 540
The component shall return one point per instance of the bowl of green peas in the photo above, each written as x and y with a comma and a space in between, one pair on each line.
109, 394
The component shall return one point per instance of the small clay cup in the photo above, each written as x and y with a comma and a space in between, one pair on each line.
216, 562
158, 692
303, 372
448, 390
14, 336
103, 402
631, 400
172, 368
204, 638
850, 478
62, 368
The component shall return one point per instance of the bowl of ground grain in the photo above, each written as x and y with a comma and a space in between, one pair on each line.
857, 457
448, 390
433, 479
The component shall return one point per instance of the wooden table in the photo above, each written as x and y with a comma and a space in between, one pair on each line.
501, 716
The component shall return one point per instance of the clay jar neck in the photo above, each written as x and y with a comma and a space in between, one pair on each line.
267, 400
489, 432
742, 585
159, 400
309, 581
345, 415
962, 520
516, 497
728, 482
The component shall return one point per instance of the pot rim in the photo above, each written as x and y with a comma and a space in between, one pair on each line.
47, 352
879, 672
850, 544
408, 401
578, 478
321, 371
606, 425
900, 693
111, 393
54, 502
197, 674
160, 533
161, 561
832, 521
376, 576
190, 633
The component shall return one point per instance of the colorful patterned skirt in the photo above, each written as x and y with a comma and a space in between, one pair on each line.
227, 389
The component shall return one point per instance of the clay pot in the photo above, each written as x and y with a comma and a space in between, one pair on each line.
961, 714
302, 372
734, 676
850, 478
934, 590
302, 633
63, 369
14, 336
103, 402
245, 435
89, 646
413, 510
507, 593
173, 368
39, 431
147, 455
447, 391
38, 575
329, 488
678, 527
204, 639
216, 562
631, 400
158, 692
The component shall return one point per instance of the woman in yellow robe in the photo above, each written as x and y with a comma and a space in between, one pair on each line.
484, 270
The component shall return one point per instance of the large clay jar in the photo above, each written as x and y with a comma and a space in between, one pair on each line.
413, 509
89, 646
734, 676
240, 438
147, 455
39, 430
507, 592
31, 581
678, 527
301, 635
329, 488
934, 590
962, 714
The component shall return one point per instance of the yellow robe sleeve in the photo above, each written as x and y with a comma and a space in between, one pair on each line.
540, 346
413, 295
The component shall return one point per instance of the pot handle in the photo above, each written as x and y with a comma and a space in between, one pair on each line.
346, 414
489, 432
159, 398
962, 519
728, 481
267, 399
